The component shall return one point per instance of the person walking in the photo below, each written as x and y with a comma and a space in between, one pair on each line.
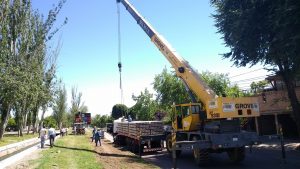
51, 134
43, 136
98, 137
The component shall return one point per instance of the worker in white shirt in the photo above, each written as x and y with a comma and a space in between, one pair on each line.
43, 136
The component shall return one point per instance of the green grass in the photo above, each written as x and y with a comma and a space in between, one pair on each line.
69, 152
13, 138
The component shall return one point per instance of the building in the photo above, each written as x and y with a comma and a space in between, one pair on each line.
275, 109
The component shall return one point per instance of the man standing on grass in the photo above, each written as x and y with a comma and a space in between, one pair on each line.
51, 134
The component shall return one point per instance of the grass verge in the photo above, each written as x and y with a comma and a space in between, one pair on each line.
13, 138
69, 152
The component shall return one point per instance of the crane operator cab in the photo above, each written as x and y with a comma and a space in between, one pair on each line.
188, 117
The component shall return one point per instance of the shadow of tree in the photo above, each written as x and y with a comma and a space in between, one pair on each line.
102, 154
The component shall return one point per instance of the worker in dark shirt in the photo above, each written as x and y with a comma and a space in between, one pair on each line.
98, 135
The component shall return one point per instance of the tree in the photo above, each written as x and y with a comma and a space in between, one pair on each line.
145, 107
257, 87
50, 122
48, 86
118, 111
83, 108
23, 37
96, 120
60, 105
170, 89
220, 84
100, 121
11, 124
76, 103
266, 32
68, 120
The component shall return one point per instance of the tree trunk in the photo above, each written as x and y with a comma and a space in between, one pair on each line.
20, 128
29, 121
21, 131
295, 105
24, 119
35, 118
288, 80
4, 119
60, 125
19, 122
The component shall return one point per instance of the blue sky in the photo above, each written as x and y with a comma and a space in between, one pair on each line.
89, 56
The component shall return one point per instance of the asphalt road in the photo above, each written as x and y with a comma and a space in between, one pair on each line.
260, 158
265, 156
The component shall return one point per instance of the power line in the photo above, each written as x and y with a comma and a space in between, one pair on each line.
249, 79
246, 73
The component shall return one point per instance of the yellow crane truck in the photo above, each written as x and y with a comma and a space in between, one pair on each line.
210, 124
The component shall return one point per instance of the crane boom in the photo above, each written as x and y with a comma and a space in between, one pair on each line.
181, 66
215, 107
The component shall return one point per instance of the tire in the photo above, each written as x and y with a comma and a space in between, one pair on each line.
201, 156
169, 145
236, 155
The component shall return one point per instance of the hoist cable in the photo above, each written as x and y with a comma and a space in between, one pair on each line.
119, 51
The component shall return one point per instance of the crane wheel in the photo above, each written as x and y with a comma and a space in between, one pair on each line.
236, 155
169, 145
201, 156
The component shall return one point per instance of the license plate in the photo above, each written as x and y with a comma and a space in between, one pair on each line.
235, 139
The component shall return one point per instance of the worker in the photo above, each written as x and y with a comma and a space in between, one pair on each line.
93, 133
129, 118
51, 135
98, 137
43, 136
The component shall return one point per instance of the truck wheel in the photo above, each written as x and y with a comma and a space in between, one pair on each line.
201, 156
169, 145
237, 155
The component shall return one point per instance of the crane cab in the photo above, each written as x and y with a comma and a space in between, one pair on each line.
188, 117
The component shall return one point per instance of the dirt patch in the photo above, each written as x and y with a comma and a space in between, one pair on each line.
112, 157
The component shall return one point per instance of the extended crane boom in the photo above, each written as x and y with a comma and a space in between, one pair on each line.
215, 107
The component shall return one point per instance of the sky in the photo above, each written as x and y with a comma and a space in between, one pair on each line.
89, 47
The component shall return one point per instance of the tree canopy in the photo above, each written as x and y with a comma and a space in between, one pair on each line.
118, 111
266, 32
100, 121
145, 106
26, 74
60, 105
